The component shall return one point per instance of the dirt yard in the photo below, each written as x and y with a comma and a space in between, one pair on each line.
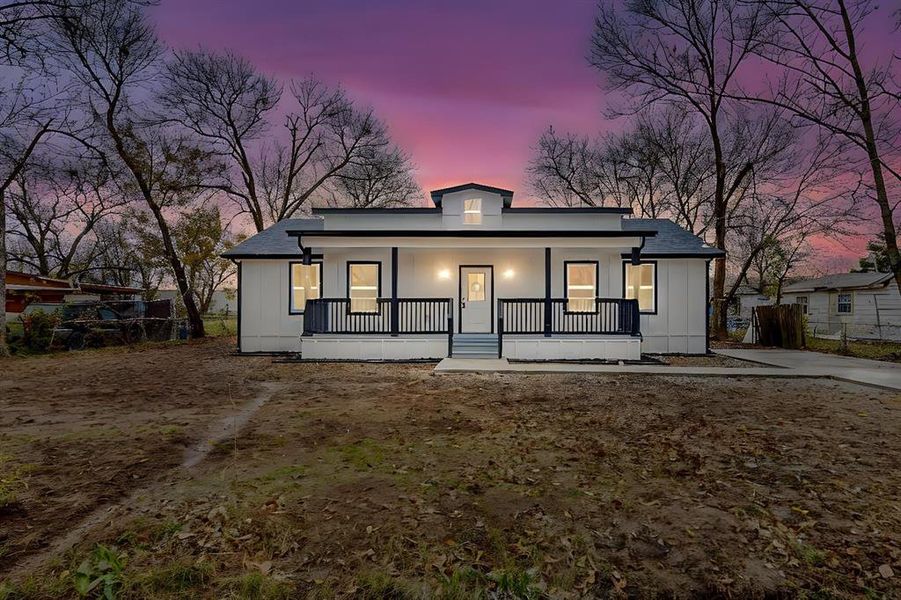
386, 481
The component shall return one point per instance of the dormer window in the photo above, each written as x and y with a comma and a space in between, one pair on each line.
472, 211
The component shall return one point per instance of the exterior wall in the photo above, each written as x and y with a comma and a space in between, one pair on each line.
571, 348
680, 325
266, 325
876, 313
373, 348
493, 216
452, 209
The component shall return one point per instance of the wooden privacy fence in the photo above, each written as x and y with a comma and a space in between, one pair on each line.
781, 325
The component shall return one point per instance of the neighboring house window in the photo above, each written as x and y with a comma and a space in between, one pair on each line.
364, 286
844, 304
472, 211
641, 284
306, 284
581, 286
804, 302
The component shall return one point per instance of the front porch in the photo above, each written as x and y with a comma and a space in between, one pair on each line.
424, 328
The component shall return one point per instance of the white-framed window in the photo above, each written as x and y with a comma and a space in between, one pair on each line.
804, 302
844, 303
363, 286
581, 286
641, 284
472, 211
305, 283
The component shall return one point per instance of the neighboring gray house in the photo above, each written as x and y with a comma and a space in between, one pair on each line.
746, 298
868, 304
473, 275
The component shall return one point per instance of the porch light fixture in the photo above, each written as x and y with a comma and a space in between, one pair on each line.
444, 274
509, 273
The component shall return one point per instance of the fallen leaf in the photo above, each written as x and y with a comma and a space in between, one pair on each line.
886, 571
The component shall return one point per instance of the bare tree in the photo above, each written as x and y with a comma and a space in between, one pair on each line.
686, 53
824, 83
24, 123
566, 170
112, 51
779, 215
380, 179
658, 167
223, 99
56, 207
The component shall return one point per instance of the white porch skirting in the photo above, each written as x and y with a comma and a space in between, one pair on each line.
572, 348
346, 347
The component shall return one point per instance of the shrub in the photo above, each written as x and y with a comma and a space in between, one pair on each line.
38, 330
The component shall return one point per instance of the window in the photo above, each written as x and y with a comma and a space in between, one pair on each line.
803, 302
306, 284
472, 211
364, 286
581, 282
641, 284
475, 287
844, 304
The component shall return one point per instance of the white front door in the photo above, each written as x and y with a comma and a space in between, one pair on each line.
476, 299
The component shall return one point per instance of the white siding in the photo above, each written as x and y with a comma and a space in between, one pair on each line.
680, 325
876, 313
266, 325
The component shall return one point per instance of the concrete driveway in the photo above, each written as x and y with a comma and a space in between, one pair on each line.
845, 368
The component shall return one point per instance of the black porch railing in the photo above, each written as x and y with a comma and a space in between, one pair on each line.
384, 316
561, 316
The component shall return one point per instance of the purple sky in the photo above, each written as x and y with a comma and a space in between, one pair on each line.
466, 87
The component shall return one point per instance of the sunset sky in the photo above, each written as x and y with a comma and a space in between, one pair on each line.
466, 87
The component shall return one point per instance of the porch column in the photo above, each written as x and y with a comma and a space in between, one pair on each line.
547, 292
395, 315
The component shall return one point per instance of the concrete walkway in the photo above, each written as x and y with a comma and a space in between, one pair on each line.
781, 363
843, 368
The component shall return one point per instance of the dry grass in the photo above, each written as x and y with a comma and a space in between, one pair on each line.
381, 481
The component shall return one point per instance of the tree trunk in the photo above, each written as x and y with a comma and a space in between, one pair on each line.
4, 349
720, 331
866, 117
195, 319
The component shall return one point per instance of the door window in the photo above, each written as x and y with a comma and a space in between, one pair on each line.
475, 287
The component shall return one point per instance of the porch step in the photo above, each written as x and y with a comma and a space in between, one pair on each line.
475, 345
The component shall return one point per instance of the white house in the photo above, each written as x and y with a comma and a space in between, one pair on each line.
473, 276
868, 305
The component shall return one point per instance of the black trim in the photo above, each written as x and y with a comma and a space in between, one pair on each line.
239, 307
479, 233
378, 293
414, 210
707, 311
547, 293
545, 210
460, 296
394, 304
297, 255
708, 255
506, 195
597, 282
628, 263
291, 264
